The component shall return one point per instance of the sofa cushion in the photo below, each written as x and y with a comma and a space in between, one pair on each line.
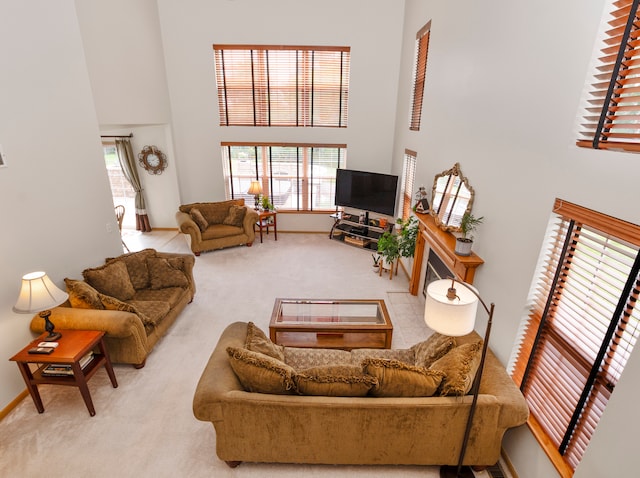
459, 366
397, 379
235, 216
82, 295
218, 231
431, 349
152, 311
402, 355
257, 341
334, 381
136, 263
199, 219
301, 358
163, 273
170, 295
260, 373
111, 279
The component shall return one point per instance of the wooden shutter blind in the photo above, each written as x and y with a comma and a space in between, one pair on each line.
408, 181
282, 85
612, 117
422, 50
581, 327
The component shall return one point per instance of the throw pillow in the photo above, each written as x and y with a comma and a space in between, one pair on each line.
165, 273
136, 263
257, 341
235, 217
301, 357
82, 295
111, 279
459, 366
199, 219
260, 373
430, 350
334, 381
397, 379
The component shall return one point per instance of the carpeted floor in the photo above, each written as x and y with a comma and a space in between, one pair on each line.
146, 427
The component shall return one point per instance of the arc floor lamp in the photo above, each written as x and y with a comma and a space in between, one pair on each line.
450, 311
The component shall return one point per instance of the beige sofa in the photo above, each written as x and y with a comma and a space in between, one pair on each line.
133, 298
215, 225
286, 427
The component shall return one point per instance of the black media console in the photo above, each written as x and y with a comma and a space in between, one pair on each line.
349, 229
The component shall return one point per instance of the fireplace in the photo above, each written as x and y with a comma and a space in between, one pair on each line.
435, 270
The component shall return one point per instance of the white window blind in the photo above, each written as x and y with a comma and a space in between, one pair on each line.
408, 181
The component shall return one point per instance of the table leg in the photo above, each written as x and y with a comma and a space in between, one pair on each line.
81, 382
275, 227
107, 363
33, 388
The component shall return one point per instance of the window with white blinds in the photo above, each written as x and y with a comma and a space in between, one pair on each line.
612, 117
303, 86
581, 327
295, 177
420, 73
408, 181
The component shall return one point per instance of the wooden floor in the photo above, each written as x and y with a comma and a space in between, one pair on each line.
166, 240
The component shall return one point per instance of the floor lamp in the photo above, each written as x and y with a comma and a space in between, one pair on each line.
453, 312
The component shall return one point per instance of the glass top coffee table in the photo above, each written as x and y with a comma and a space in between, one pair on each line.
333, 323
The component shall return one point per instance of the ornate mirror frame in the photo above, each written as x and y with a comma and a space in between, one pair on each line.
451, 197
152, 159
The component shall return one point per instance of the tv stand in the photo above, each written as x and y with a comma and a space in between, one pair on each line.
347, 228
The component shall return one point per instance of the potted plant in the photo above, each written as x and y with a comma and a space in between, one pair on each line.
376, 262
407, 236
468, 224
265, 204
389, 247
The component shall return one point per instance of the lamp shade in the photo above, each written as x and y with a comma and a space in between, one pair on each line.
453, 317
38, 293
255, 189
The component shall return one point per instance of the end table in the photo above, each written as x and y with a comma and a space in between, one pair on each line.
72, 347
264, 222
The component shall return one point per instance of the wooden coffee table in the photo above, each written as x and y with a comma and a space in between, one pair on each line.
333, 323
73, 346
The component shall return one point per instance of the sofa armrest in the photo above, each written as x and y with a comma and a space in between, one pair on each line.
114, 323
250, 220
188, 226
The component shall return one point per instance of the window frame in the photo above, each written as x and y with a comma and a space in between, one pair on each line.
262, 170
280, 85
420, 73
408, 181
554, 320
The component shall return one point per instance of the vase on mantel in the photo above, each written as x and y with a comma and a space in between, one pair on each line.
463, 246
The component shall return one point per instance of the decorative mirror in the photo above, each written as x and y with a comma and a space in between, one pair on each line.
452, 196
152, 159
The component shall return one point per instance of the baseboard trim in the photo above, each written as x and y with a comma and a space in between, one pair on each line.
13, 404
508, 464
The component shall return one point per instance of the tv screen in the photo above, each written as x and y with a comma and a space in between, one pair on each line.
365, 190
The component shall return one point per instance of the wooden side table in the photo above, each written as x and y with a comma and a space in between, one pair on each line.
73, 346
264, 222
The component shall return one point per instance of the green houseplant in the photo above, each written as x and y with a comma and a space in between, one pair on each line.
389, 247
407, 236
266, 204
468, 224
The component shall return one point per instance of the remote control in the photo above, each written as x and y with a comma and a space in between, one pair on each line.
41, 350
48, 344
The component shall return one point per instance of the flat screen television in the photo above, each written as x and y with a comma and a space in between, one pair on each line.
374, 192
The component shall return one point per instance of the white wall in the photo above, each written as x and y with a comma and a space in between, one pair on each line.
54, 193
124, 56
372, 28
503, 89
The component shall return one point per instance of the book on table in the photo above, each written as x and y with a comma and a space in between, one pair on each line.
65, 368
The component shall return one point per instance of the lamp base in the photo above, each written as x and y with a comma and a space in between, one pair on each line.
53, 336
452, 472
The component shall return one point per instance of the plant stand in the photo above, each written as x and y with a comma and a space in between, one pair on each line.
382, 268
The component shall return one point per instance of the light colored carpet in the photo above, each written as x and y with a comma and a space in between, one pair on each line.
146, 427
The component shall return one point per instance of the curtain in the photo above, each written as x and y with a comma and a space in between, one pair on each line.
128, 165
